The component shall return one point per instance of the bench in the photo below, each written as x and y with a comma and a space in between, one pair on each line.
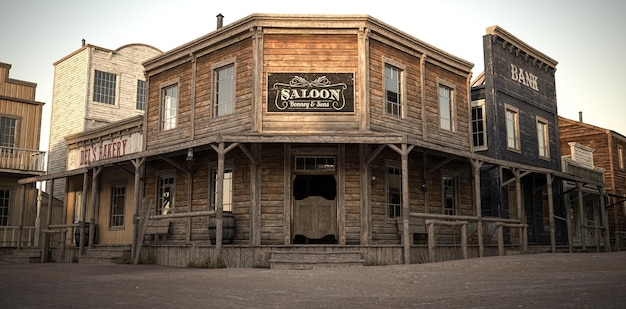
417, 230
158, 228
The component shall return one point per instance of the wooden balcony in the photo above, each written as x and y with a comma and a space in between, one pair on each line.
27, 161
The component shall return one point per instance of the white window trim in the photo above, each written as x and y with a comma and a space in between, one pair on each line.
403, 91
228, 165
453, 108
214, 67
396, 165
546, 137
455, 176
518, 142
485, 146
161, 104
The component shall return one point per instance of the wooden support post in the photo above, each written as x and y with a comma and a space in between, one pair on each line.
432, 239
605, 220
365, 194
219, 198
20, 218
570, 222
596, 227
255, 194
46, 236
464, 240
137, 163
406, 210
551, 213
94, 195
83, 215
477, 204
581, 217
500, 239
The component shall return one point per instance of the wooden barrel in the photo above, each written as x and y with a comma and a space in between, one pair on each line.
228, 228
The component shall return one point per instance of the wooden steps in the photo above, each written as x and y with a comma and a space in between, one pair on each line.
24, 256
105, 255
311, 260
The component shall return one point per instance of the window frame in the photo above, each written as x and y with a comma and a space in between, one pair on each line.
105, 87
140, 103
216, 69
452, 106
227, 203
479, 104
160, 186
5, 206
12, 136
446, 175
401, 84
393, 210
171, 122
545, 135
117, 213
620, 156
516, 130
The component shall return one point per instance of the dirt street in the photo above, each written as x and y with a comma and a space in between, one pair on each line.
582, 280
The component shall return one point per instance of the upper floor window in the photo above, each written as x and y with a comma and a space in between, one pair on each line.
104, 87
7, 132
141, 95
394, 192
227, 190
393, 91
446, 108
5, 199
224, 90
118, 198
165, 194
543, 139
169, 107
512, 128
450, 195
479, 125
620, 156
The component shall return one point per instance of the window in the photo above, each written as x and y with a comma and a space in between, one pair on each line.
446, 108
479, 132
165, 194
141, 95
118, 197
620, 155
449, 195
169, 107
5, 199
7, 132
227, 194
315, 163
394, 192
393, 90
104, 87
543, 139
512, 129
224, 90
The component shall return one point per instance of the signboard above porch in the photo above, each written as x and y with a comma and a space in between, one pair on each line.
310, 92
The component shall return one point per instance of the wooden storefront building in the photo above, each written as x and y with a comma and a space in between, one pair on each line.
284, 138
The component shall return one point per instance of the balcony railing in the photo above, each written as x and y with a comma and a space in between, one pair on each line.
26, 160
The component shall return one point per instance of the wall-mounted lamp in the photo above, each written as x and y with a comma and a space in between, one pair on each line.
190, 154
424, 187
373, 180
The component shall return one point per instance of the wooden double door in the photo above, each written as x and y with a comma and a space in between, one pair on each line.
315, 209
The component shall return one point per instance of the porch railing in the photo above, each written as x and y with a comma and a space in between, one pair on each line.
22, 159
9, 236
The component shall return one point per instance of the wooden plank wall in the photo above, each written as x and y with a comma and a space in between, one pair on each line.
334, 53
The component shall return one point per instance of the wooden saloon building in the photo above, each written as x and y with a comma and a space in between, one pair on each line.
283, 138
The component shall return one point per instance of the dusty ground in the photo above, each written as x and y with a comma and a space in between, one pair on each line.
583, 280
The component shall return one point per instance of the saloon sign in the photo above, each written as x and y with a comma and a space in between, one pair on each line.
310, 92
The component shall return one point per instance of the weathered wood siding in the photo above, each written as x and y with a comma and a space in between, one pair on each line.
411, 123
324, 53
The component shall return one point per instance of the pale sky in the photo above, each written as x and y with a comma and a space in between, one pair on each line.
586, 37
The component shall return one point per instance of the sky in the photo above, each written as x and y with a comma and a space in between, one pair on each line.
585, 37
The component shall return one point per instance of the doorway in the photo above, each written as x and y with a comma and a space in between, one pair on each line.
315, 209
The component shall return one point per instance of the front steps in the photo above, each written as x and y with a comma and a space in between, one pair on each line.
311, 260
105, 255
24, 256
